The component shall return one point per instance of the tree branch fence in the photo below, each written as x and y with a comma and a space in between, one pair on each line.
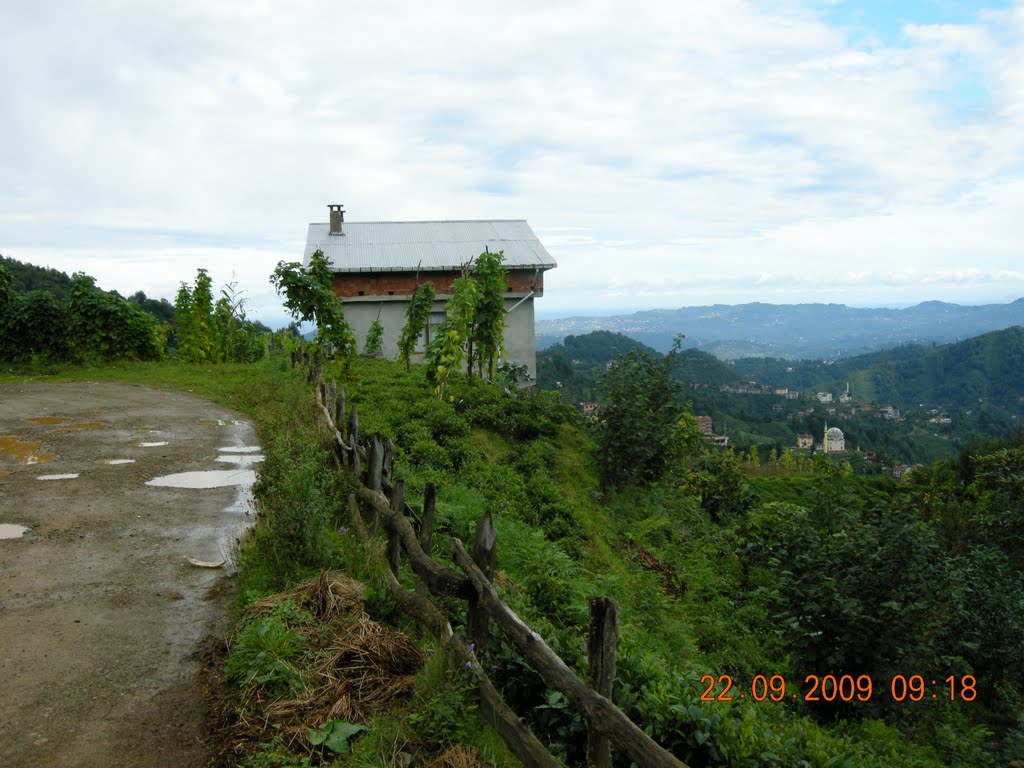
378, 507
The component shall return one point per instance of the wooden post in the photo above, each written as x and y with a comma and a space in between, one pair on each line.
374, 466
427, 529
389, 458
484, 552
353, 425
393, 549
339, 412
601, 641
353, 452
330, 393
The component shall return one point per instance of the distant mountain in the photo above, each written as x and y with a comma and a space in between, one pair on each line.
793, 331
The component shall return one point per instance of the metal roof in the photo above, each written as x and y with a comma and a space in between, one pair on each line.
399, 246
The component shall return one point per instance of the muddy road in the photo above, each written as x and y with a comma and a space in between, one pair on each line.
101, 616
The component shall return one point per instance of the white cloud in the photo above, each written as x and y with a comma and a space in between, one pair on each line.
751, 144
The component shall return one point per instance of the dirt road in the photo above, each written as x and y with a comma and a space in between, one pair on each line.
100, 614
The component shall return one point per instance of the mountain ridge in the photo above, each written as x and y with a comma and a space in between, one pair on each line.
793, 331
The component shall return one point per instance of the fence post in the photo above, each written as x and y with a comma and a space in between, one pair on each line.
353, 452
484, 555
330, 393
389, 458
374, 463
394, 549
339, 412
602, 637
353, 426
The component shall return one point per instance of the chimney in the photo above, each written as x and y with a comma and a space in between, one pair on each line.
337, 219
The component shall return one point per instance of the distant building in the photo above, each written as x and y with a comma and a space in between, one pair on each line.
834, 441
824, 397
704, 425
588, 408
805, 441
846, 397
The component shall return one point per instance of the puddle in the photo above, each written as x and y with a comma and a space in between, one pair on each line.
25, 451
115, 461
48, 420
213, 478
57, 477
242, 459
149, 445
219, 422
240, 449
88, 425
12, 531
4, 473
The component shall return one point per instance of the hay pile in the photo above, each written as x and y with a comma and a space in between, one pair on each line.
360, 668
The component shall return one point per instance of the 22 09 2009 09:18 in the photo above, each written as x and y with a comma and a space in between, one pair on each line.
845, 688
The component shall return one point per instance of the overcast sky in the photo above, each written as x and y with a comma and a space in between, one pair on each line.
666, 153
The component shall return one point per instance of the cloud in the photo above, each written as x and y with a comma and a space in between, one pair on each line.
727, 141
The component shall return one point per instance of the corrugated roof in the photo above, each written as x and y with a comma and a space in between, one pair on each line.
398, 246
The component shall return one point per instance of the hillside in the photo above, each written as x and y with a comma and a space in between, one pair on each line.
944, 396
722, 569
986, 370
794, 331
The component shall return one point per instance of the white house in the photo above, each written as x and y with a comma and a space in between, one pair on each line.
378, 265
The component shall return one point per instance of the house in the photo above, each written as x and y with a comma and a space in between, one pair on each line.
377, 266
804, 441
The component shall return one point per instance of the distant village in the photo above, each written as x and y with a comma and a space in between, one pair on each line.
831, 441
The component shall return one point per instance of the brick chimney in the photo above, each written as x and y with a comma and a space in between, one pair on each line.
337, 219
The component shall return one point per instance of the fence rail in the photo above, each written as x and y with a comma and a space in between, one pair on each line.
378, 505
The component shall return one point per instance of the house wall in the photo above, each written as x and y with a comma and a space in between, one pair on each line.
520, 330
349, 285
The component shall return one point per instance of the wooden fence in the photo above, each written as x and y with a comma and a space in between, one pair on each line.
378, 506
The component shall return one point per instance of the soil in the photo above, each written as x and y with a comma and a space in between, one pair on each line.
103, 620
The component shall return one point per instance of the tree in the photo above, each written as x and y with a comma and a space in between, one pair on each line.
416, 316
488, 334
446, 349
309, 298
637, 433
374, 340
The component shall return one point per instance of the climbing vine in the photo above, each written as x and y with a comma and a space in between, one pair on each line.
446, 349
488, 334
416, 316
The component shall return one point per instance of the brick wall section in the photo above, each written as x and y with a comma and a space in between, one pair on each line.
349, 285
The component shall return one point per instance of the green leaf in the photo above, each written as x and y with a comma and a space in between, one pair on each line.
334, 734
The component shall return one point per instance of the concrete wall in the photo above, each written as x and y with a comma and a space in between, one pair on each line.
520, 331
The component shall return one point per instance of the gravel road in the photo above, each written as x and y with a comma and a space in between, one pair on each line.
101, 617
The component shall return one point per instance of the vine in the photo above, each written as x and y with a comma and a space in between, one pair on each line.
416, 316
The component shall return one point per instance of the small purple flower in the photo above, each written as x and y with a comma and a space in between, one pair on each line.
472, 647
469, 665
342, 531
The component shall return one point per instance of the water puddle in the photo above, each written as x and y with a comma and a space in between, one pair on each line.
4, 473
57, 477
115, 461
48, 420
212, 478
241, 459
12, 531
240, 449
25, 451
149, 445
220, 422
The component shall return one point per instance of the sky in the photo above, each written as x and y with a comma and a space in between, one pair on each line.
667, 154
